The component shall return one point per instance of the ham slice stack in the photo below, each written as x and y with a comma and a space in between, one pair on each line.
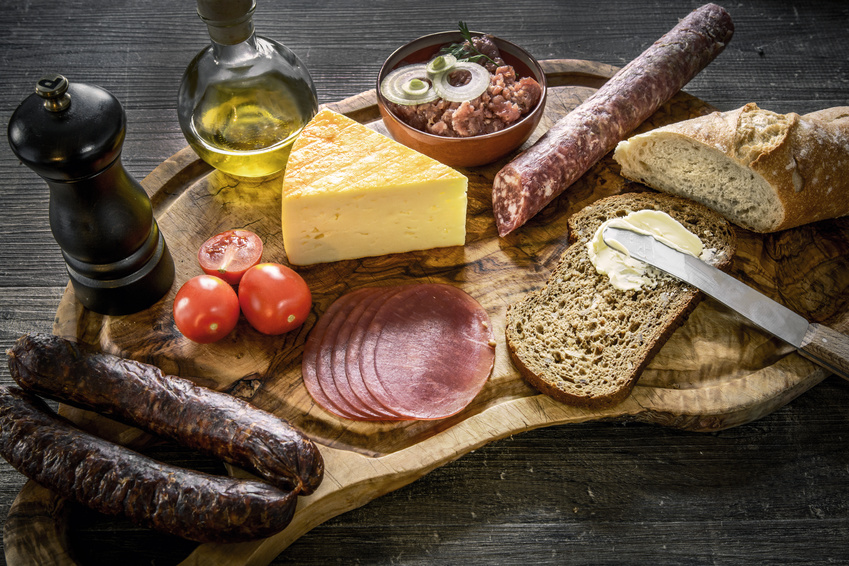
420, 351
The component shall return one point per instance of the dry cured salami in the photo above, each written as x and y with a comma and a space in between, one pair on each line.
577, 141
115, 480
197, 417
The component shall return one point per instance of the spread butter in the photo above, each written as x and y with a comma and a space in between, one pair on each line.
627, 273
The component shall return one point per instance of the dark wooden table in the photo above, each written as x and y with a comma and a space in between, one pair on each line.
775, 491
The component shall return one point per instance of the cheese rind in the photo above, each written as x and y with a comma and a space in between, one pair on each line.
350, 192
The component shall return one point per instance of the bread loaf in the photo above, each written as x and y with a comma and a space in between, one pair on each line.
760, 170
584, 342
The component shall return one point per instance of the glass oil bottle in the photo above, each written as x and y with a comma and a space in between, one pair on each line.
244, 98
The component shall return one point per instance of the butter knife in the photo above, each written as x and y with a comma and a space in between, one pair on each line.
820, 344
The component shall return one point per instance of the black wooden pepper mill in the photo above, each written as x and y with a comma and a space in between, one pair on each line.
72, 136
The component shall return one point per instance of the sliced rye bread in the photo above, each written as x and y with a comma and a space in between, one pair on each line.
583, 342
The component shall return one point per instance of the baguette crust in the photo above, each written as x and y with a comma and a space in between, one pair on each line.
583, 342
761, 170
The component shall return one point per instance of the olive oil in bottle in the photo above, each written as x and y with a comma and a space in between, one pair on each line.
244, 98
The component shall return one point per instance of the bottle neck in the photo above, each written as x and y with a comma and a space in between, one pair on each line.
233, 33
234, 54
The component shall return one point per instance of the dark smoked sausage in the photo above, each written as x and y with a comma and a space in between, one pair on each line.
141, 395
577, 141
115, 480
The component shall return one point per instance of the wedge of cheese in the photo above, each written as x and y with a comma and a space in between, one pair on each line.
350, 192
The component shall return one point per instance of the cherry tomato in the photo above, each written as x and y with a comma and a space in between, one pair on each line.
206, 309
274, 298
229, 254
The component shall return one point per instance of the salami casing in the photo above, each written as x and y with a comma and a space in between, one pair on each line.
141, 395
577, 141
115, 480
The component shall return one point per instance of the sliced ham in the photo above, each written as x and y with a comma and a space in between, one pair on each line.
331, 375
428, 351
351, 342
314, 368
420, 351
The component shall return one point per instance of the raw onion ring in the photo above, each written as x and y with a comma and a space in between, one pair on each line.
441, 64
474, 88
393, 86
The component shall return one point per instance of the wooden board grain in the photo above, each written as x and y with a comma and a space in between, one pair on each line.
715, 372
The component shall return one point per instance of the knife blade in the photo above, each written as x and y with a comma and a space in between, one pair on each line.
821, 344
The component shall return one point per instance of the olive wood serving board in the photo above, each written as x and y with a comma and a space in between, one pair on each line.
716, 371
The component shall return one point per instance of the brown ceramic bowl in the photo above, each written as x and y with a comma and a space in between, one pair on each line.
471, 151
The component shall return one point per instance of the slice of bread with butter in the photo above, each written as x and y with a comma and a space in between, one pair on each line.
584, 340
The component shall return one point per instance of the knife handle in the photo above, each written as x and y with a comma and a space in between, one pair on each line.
827, 348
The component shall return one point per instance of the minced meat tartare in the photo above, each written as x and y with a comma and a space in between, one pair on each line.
505, 101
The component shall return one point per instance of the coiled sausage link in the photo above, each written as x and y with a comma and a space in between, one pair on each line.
141, 395
115, 480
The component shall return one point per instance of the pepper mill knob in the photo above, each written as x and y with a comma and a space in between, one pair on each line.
54, 90
72, 135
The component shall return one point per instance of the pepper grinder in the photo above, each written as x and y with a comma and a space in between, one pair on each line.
71, 135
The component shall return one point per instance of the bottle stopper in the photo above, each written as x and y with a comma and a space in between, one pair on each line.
229, 21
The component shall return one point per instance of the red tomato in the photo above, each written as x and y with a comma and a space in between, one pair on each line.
206, 309
229, 254
274, 298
